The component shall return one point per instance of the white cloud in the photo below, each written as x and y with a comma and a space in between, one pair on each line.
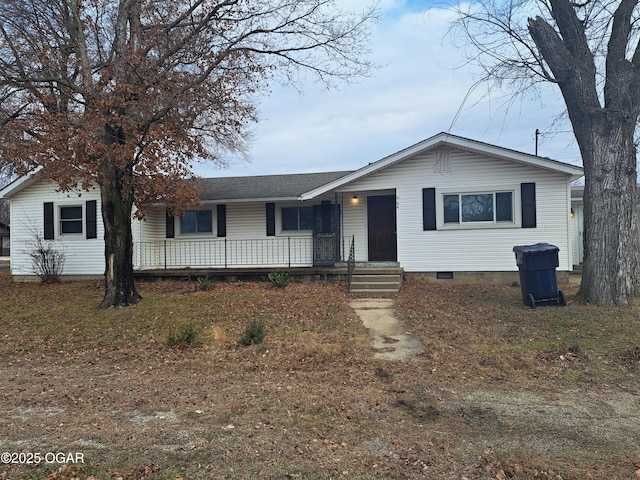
415, 94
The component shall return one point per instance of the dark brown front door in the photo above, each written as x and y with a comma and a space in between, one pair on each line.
381, 219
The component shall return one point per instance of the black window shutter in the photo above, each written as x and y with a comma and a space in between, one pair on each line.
91, 218
528, 202
222, 220
271, 219
48, 221
429, 209
171, 226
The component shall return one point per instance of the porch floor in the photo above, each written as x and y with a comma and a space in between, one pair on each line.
337, 273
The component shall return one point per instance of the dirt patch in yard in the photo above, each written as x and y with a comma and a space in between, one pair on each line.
499, 391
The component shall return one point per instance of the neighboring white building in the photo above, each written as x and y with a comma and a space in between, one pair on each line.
577, 223
445, 205
577, 220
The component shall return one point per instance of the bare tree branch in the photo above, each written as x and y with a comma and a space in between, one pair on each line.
127, 94
592, 51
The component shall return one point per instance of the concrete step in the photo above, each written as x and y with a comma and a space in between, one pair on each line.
373, 293
378, 271
385, 277
376, 284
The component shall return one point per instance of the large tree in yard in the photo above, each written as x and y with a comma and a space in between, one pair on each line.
591, 51
127, 94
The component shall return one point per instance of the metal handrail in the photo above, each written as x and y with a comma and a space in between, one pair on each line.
224, 253
351, 263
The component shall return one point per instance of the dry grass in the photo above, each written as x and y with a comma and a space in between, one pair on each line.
507, 341
501, 391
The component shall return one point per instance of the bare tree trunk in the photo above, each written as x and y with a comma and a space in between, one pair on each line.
117, 203
604, 130
611, 242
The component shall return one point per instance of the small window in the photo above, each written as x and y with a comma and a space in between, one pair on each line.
70, 220
486, 207
197, 221
297, 218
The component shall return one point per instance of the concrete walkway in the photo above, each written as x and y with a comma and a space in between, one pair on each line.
390, 340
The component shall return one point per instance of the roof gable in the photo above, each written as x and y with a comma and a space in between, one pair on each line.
19, 184
442, 140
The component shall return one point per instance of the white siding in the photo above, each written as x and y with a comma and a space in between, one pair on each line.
466, 249
82, 256
355, 220
152, 228
354, 223
577, 229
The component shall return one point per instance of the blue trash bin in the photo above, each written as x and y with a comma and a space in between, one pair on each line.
537, 266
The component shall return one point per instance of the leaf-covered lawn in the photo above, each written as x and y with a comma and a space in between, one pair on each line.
501, 391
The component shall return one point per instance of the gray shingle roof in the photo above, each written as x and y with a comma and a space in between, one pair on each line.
288, 186
577, 192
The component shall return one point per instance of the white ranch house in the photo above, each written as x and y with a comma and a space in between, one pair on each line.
447, 206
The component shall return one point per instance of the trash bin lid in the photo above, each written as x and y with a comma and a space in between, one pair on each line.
537, 249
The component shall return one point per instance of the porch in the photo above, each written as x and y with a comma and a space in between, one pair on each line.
223, 254
308, 259
368, 279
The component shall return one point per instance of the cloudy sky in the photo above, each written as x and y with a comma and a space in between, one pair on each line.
421, 88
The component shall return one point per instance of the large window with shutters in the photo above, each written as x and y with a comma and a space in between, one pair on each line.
483, 208
197, 222
72, 221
